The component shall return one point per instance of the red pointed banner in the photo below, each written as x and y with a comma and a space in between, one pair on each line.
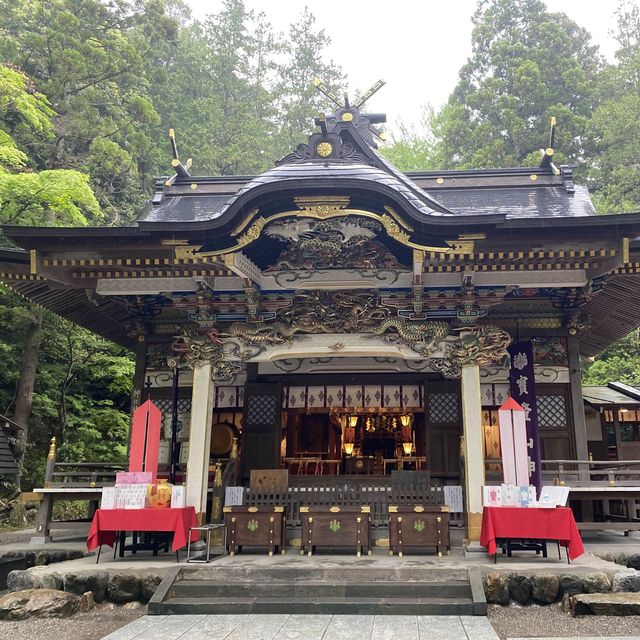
145, 438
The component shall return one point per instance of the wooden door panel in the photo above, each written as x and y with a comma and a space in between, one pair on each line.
261, 427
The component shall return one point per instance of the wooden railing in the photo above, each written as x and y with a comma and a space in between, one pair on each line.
83, 474
592, 472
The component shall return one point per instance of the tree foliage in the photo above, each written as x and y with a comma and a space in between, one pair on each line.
527, 65
87, 93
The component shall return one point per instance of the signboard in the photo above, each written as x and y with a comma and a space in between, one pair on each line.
453, 498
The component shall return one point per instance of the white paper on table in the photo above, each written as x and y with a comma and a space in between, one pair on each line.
492, 496
109, 496
509, 495
547, 499
178, 496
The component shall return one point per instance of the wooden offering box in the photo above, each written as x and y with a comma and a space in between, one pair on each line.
418, 526
255, 527
336, 527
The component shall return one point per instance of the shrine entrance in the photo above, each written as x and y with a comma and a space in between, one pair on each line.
330, 442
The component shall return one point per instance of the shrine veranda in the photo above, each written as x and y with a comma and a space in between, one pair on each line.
336, 317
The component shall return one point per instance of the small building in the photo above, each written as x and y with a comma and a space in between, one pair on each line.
8, 464
335, 316
613, 421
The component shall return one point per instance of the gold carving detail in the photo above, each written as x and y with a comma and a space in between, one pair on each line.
324, 149
245, 222
393, 229
187, 252
252, 233
322, 207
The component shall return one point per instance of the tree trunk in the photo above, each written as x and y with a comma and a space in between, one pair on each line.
24, 396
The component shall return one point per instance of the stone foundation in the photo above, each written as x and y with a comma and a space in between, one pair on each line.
546, 588
108, 586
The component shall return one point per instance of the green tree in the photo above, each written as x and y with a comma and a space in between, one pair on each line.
297, 100
614, 130
26, 197
415, 148
527, 65
217, 101
86, 56
620, 362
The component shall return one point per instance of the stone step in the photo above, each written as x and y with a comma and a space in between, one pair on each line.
321, 572
325, 605
315, 588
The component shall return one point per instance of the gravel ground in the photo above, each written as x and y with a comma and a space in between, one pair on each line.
93, 625
535, 621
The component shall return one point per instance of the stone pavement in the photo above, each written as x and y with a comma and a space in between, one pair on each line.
306, 627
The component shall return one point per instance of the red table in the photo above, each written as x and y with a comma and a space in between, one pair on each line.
532, 524
107, 522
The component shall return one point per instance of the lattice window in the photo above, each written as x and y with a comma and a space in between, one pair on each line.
443, 408
165, 405
262, 409
552, 412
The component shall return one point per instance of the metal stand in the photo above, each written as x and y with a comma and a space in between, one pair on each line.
207, 528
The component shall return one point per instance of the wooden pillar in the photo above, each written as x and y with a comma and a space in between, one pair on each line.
200, 439
577, 405
43, 525
139, 372
473, 449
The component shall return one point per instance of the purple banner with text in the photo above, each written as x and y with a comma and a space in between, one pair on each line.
523, 390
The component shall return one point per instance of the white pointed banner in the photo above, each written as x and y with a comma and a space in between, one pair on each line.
513, 442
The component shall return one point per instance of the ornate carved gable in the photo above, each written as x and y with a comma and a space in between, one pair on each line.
335, 243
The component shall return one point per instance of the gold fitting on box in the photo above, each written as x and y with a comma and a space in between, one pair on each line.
393, 509
334, 509
444, 509
304, 509
252, 509
278, 509
365, 509
418, 509
227, 510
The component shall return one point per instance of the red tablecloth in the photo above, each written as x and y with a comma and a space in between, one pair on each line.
106, 522
532, 523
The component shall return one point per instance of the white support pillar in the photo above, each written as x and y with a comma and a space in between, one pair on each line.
473, 449
200, 439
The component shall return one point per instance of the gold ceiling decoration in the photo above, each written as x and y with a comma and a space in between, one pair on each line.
322, 208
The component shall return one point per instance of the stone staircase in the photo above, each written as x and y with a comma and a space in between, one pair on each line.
228, 589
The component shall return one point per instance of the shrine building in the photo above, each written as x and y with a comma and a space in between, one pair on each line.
337, 317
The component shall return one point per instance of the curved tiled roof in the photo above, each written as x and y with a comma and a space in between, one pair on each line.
209, 207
